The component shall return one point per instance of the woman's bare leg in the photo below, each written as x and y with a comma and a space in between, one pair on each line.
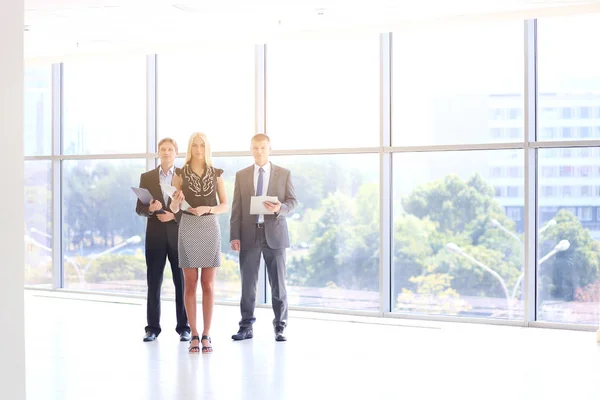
190, 276
208, 298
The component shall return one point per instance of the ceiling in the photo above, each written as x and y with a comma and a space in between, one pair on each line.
56, 28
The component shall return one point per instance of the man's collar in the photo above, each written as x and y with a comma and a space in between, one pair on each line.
171, 170
267, 166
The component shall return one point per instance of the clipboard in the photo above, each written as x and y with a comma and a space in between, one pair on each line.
145, 197
143, 194
257, 206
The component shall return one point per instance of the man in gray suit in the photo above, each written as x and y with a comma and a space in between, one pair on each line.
266, 234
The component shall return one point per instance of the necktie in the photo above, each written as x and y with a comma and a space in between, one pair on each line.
259, 186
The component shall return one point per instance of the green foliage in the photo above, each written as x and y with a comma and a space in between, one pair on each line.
412, 248
38, 275
462, 213
346, 245
455, 205
116, 267
229, 271
588, 294
575, 268
451, 210
434, 296
94, 210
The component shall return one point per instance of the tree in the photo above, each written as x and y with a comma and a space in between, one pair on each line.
116, 267
574, 268
434, 296
412, 249
453, 203
99, 206
462, 213
346, 245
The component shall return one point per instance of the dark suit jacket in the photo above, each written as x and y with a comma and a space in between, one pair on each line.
243, 224
157, 233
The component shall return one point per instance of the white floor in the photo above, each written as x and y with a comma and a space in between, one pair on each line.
90, 347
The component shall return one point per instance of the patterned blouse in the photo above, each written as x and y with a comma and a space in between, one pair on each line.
200, 190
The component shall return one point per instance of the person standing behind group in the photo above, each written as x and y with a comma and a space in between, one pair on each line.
161, 242
253, 235
200, 184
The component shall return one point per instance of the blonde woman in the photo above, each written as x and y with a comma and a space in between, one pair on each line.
201, 185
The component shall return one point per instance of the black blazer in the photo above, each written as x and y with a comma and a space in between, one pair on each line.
157, 233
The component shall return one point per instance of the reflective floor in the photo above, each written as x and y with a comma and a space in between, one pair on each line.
90, 347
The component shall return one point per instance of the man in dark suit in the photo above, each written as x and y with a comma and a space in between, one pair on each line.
266, 234
161, 242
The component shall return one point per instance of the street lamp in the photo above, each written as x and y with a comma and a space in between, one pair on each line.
454, 248
550, 223
44, 234
563, 245
499, 225
132, 240
30, 240
81, 275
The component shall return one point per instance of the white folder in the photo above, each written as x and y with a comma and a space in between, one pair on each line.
257, 206
170, 190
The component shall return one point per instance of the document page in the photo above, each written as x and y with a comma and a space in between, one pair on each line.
170, 190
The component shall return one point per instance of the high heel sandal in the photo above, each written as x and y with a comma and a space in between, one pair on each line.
194, 349
206, 349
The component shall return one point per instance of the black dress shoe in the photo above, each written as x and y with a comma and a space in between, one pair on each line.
184, 336
243, 333
280, 334
149, 336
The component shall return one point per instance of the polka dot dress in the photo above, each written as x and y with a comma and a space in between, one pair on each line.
200, 236
199, 241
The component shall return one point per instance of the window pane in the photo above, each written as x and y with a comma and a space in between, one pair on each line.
585, 132
227, 283
457, 242
585, 112
102, 234
466, 84
569, 76
568, 272
38, 223
323, 93
38, 111
105, 106
209, 90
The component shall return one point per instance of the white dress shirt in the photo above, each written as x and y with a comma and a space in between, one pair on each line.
266, 177
166, 178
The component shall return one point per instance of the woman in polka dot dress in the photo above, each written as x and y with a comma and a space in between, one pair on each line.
202, 187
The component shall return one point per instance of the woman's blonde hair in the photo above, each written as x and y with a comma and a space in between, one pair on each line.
207, 152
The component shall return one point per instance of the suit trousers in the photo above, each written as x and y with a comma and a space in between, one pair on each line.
155, 262
249, 267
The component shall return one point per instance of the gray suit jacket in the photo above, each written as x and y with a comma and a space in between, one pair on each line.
243, 224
